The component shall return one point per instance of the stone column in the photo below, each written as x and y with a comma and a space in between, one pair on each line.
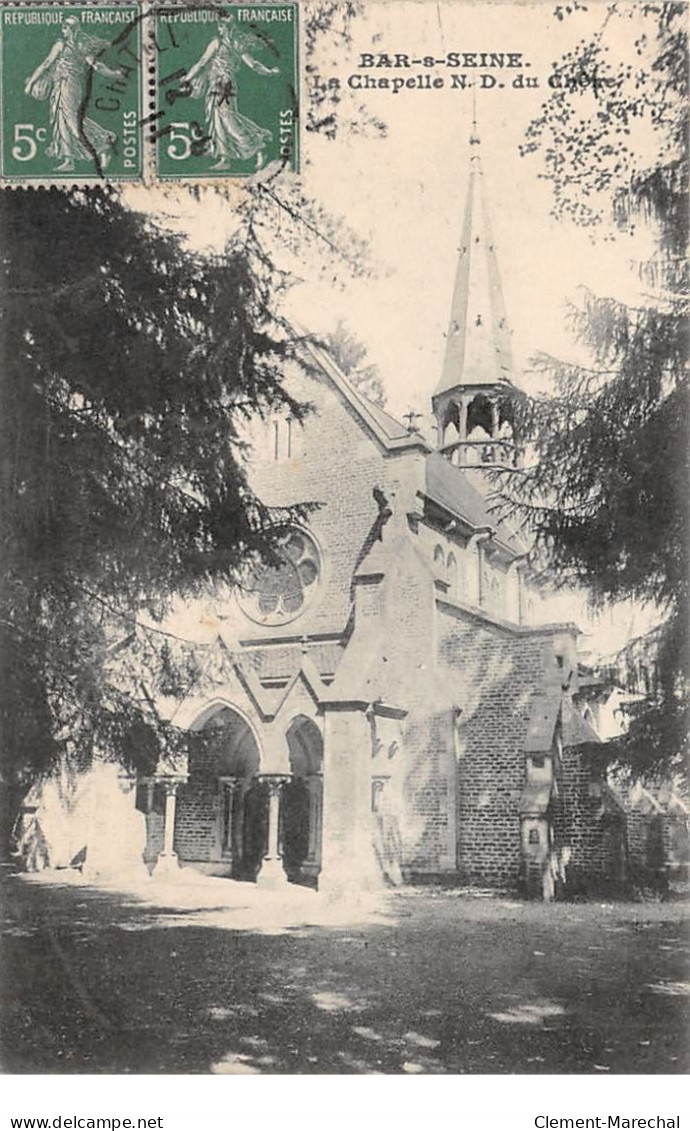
238, 826
463, 450
167, 862
272, 874
226, 831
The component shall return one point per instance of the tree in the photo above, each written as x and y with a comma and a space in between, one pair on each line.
606, 491
129, 365
350, 355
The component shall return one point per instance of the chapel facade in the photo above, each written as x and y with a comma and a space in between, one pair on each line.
381, 705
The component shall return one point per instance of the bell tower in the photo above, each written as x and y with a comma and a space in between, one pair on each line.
473, 402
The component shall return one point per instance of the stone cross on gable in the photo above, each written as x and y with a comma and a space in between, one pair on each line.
410, 417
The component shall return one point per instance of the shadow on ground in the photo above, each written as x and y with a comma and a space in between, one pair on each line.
433, 982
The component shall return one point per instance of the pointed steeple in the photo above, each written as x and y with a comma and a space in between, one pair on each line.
470, 399
478, 350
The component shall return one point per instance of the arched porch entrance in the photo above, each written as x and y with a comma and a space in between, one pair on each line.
222, 812
233, 819
302, 802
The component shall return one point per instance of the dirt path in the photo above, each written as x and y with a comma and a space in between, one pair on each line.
99, 981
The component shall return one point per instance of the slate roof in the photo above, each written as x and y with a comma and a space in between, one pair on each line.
542, 721
578, 732
478, 349
451, 488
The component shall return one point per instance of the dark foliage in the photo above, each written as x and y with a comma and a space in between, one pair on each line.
129, 365
606, 491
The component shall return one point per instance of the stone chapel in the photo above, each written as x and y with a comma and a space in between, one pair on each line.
382, 705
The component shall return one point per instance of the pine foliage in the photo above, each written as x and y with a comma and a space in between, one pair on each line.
606, 490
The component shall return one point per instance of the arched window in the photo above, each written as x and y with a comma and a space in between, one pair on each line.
450, 426
284, 436
480, 415
439, 562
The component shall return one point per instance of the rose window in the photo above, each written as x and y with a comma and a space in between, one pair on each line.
276, 594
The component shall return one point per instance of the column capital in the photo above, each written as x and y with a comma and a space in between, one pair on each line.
275, 782
170, 783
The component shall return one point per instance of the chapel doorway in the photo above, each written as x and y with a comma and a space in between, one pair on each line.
302, 802
222, 812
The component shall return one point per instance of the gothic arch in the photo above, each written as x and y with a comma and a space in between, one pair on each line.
506, 413
305, 746
302, 801
212, 708
221, 814
451, 415
234, 744
480, 415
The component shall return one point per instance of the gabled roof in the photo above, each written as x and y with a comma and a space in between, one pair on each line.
542, 721
390, 433
447, 485
451, 488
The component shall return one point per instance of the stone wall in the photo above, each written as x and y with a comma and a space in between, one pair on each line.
498, 671
196, 820
589, 823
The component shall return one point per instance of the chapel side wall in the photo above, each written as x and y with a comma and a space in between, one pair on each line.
499, 672
429, 829
429, 755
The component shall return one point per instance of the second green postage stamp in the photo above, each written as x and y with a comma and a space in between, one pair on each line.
71, 78
226, 89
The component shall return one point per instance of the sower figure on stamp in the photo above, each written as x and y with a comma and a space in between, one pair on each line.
213, 78
62, 77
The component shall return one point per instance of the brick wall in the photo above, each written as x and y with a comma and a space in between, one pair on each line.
196, 819
338, 466
588, 822
498, 674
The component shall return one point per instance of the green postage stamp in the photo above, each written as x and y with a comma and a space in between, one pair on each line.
226, 90
71, 92
126, 92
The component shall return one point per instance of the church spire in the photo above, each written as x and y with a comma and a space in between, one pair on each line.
478, 364
478, 343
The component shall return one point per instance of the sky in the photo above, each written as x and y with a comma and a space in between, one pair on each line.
404, 194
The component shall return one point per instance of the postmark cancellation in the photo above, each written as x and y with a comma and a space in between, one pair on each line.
226, 90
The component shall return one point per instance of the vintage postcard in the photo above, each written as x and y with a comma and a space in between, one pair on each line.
344, 443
